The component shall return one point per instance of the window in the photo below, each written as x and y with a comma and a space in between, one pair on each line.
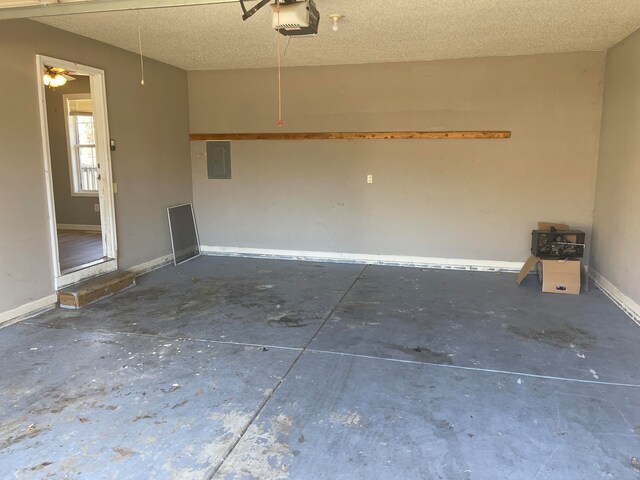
82, 144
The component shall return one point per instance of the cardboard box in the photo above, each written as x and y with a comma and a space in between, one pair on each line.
560, 276
556, 276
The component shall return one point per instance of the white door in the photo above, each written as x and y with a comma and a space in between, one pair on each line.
89, 160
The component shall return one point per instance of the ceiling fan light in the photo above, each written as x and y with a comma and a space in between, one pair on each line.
56, 80
53, 77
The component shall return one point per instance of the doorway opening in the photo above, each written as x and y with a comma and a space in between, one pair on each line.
77, 164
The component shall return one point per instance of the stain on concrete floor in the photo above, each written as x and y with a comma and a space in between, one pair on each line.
565, 336
423, 354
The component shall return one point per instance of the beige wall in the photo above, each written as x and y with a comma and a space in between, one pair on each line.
70, 209
151, 165
616, 227
474, 199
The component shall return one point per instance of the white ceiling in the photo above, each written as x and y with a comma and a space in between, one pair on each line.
373, 31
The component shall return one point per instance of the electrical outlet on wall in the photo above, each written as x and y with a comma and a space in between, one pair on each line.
369, 178
96, 207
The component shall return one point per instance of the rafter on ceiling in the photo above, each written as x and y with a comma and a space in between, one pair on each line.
54, 8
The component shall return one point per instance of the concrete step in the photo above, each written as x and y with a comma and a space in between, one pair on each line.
84, 293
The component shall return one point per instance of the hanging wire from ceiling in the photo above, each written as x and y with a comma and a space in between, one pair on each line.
140, 49
287, 47
280, 123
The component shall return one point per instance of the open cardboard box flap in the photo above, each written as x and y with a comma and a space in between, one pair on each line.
526, 268
549, 225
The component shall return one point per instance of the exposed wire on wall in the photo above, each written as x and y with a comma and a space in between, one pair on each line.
280, 123
141, 57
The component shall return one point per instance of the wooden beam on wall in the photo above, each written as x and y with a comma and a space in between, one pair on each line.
352, 135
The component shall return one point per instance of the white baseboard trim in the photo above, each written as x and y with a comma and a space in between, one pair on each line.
73, 226
627, 305
365, 258
27, 310
151, 265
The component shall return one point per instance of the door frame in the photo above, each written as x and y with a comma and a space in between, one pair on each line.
105, 184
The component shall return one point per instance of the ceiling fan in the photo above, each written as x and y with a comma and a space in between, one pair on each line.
56, 77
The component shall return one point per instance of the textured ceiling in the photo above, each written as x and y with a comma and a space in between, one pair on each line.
373, 31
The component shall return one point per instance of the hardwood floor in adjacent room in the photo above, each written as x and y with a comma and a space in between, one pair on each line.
78, 247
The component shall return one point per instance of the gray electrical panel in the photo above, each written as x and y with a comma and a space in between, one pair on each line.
219, 160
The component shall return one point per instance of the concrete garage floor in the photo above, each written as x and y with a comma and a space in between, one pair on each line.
232, 368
